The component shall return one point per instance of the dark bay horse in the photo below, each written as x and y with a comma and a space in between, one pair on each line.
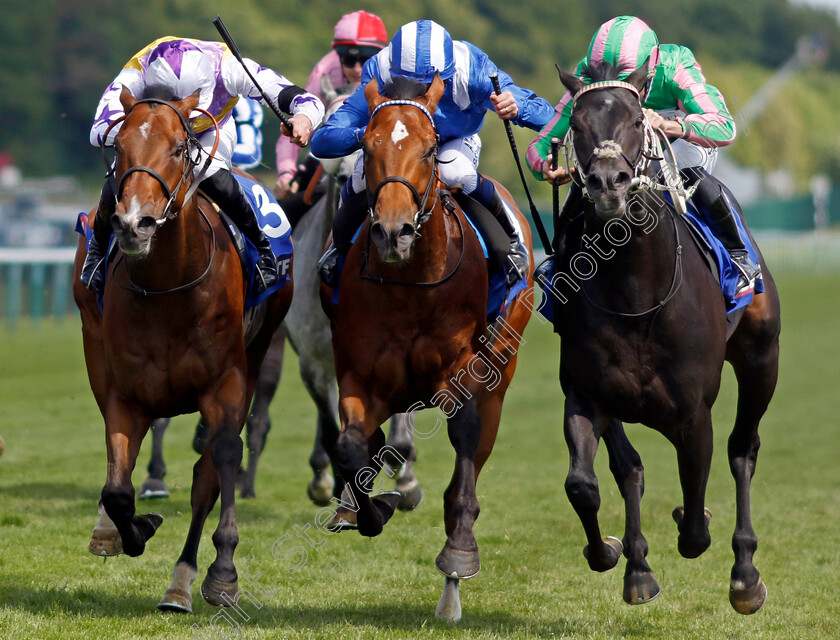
644, 338
171, 339
409, 328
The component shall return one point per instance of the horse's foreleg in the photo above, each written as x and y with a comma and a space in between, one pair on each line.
319, 379
205, 491
693, 442
154, 486
459, 557
583, 425
400, 441
640, 585
359, 463
757, 374
225, 410
259, 420
125, 428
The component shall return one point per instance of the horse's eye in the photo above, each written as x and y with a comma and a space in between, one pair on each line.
179, 150
574, 127
640, 121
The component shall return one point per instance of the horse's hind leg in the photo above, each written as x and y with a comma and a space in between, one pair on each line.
154, 486
755, 358
583, 425
125, 428
640, 585
400, 440
319, 379
259, 420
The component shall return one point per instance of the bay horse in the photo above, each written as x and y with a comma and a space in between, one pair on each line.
409, 328
171, 339
308, 331
645, 334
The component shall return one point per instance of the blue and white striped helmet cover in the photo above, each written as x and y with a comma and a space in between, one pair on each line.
421, 48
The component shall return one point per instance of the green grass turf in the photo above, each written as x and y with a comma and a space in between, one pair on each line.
534, 581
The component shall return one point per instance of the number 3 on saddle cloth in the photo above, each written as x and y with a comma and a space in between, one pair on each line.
498, 294
271, 219
712, 249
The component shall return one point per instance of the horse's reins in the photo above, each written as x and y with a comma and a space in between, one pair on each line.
423, 212
189, 163
649, 151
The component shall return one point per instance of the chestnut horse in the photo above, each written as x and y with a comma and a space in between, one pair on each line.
644, 337
171, 339
409, 328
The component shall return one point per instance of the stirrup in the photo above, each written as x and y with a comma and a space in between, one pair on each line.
266, 275
517, 263
93, 273
328, 267
748, 272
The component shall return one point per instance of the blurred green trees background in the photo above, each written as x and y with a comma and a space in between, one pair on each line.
58, 56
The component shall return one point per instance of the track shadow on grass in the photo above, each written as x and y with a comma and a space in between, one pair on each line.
392, 616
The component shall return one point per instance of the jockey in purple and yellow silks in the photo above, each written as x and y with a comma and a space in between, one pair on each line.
173, 68
680, 103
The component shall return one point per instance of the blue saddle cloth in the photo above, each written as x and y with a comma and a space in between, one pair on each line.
727, 272
498, 294
272, 221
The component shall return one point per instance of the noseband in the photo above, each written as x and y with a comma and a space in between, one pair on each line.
423, 212
191, 157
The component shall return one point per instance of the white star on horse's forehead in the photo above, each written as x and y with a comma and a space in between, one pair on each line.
399, 132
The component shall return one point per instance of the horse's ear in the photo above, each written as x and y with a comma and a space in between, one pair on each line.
372, 94
434, 93
189, 103
569, 81
126, 99
639, 77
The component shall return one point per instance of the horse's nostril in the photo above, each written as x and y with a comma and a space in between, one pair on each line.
407, 230
116, 223
377, 232
146, 222
622, 177
594, 182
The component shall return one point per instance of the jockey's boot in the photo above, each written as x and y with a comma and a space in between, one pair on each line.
518, 260
712, 202
223, 188
93, 270
349, 217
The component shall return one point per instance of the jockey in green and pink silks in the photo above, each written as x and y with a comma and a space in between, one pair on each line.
675, 82
678, 100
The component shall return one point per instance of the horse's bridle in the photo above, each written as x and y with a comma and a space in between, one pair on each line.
423, 210
191, 158
639, 166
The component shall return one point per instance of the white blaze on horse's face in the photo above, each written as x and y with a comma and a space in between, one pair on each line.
399, 132
134, 240
144, 130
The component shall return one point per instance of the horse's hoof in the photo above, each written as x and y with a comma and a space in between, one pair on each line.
640, 588
176, 601
343, 520
454, 563
679, 512
218, 593
149, 523
410, 496
320, 490
614, 549
748, 601
105, 543
153, 489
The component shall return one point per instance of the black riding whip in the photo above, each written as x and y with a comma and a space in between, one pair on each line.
222, 29
555, 189
494, 78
